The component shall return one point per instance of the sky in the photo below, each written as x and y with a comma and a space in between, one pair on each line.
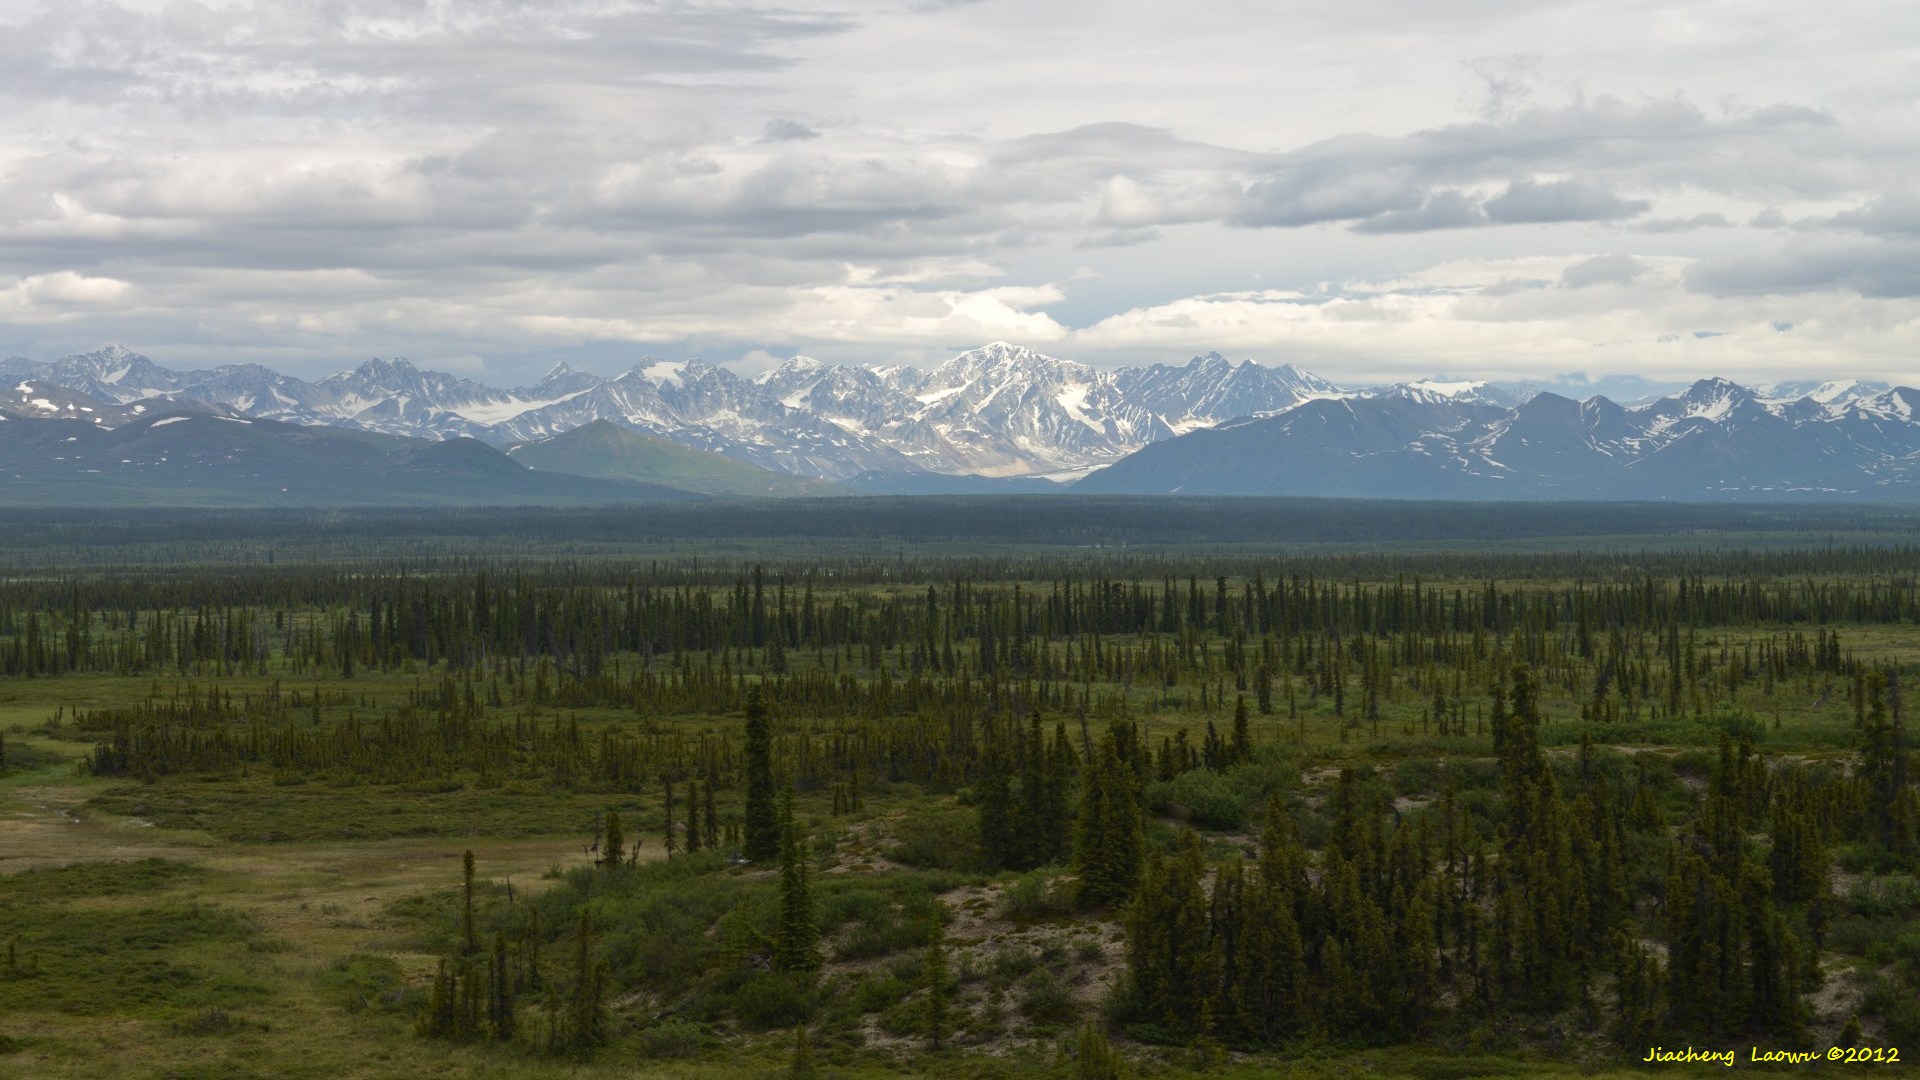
1569, 193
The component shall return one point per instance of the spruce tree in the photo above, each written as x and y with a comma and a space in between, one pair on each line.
801, 1063
1107, 856
469, 937
994, 795
1270, 964
796, 943
1169, 958
1886, 775
712, 828
1055, 824
1242, 747
693, 817
586, 1021
614, 846
761, 841
1094, 1057
673, 845
500, 997
936, 978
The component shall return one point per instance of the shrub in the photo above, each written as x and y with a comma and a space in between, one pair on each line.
674, 1039
1204, 798
943, 840
773, 1001
1416, 776
1884, 895
875, 993
1045, 999
1034, 897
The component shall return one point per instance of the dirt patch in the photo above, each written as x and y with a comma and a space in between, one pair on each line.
44, 828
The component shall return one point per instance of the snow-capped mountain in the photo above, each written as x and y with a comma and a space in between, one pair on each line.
1209, 389
1831, 392
1003, 411
1713, 440
113, 374
1439, 389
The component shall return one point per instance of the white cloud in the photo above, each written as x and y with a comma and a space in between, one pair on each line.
59, 297
307, 183
1466, 317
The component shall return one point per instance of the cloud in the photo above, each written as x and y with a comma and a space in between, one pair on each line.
1895, 213
1536, 202
1113, 238
753, 362
784, 130
1441, 210
1602, 270
1815, 264
1706, 219
1467, 317
513, 178
61, 296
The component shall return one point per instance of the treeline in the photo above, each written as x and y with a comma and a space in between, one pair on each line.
337, 624
886, 525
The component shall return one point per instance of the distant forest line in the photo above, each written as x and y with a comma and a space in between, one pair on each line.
859, 534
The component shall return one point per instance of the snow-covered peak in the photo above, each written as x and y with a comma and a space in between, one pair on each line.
1452, 389
661, 372
1714, 399
376, 374
563, 378
117, 354
790, 370
1303, 381
1000, 363
1441, 389
1900, 403
1836, 393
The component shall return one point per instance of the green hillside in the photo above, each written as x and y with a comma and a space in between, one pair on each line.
608, 451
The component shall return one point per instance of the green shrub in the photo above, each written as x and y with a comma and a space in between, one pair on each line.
1034, 897
1884, 895
1898, 1008
1416, 776
1011, 963
939, 840
877, 992
359, 982
674, 1039
1204, 798
1045, 999
773, 1001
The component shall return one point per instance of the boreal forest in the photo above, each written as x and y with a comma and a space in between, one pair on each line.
984, 788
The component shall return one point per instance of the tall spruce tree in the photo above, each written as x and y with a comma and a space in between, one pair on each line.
936, 976
469, 936
1886, 774
614, 846
586, 1014
796, 941
1107, 855
761, 839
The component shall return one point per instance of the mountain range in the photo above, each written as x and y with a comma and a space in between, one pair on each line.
1006, 418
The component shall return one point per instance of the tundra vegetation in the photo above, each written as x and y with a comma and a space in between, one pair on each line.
422, 805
